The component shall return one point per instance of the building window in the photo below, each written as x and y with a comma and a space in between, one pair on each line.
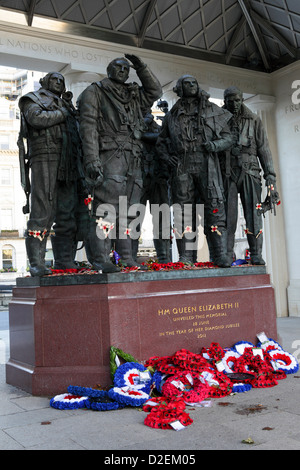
6, 219
7, 257
4, 142
5, 177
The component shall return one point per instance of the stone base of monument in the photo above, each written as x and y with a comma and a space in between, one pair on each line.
62, 327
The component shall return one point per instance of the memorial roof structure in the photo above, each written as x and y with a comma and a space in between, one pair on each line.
259, 35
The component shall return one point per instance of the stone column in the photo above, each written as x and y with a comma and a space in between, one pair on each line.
76, 82
274, 229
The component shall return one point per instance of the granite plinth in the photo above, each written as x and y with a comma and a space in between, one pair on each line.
62, 327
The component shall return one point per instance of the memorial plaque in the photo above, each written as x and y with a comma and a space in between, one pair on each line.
198, 324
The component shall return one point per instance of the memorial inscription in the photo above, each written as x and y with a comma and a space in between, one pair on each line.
52, 49
294, 109
199, 321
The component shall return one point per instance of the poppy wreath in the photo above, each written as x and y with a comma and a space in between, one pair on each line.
285, 361
65, 271
222, 388
67, 401
163, 364
154, 266
263, 375
127, 374
205, 264
163, 419
164, 411
170, 403
242, 365
215, 352
264, 380
128, 396
152, 361
187, 385
187, 360
279, 374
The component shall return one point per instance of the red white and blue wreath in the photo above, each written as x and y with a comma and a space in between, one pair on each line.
128, 396
67, 401
284, 361
104, 403
133, 374
98, 400
241, 387
269, 345
158, 379
228, 360
240, 346
86, 391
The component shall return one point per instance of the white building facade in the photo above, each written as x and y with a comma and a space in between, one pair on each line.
13, 259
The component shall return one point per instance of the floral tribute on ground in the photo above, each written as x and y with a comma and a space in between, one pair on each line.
164, 386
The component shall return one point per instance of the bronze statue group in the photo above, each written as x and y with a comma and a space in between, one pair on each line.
109, 148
